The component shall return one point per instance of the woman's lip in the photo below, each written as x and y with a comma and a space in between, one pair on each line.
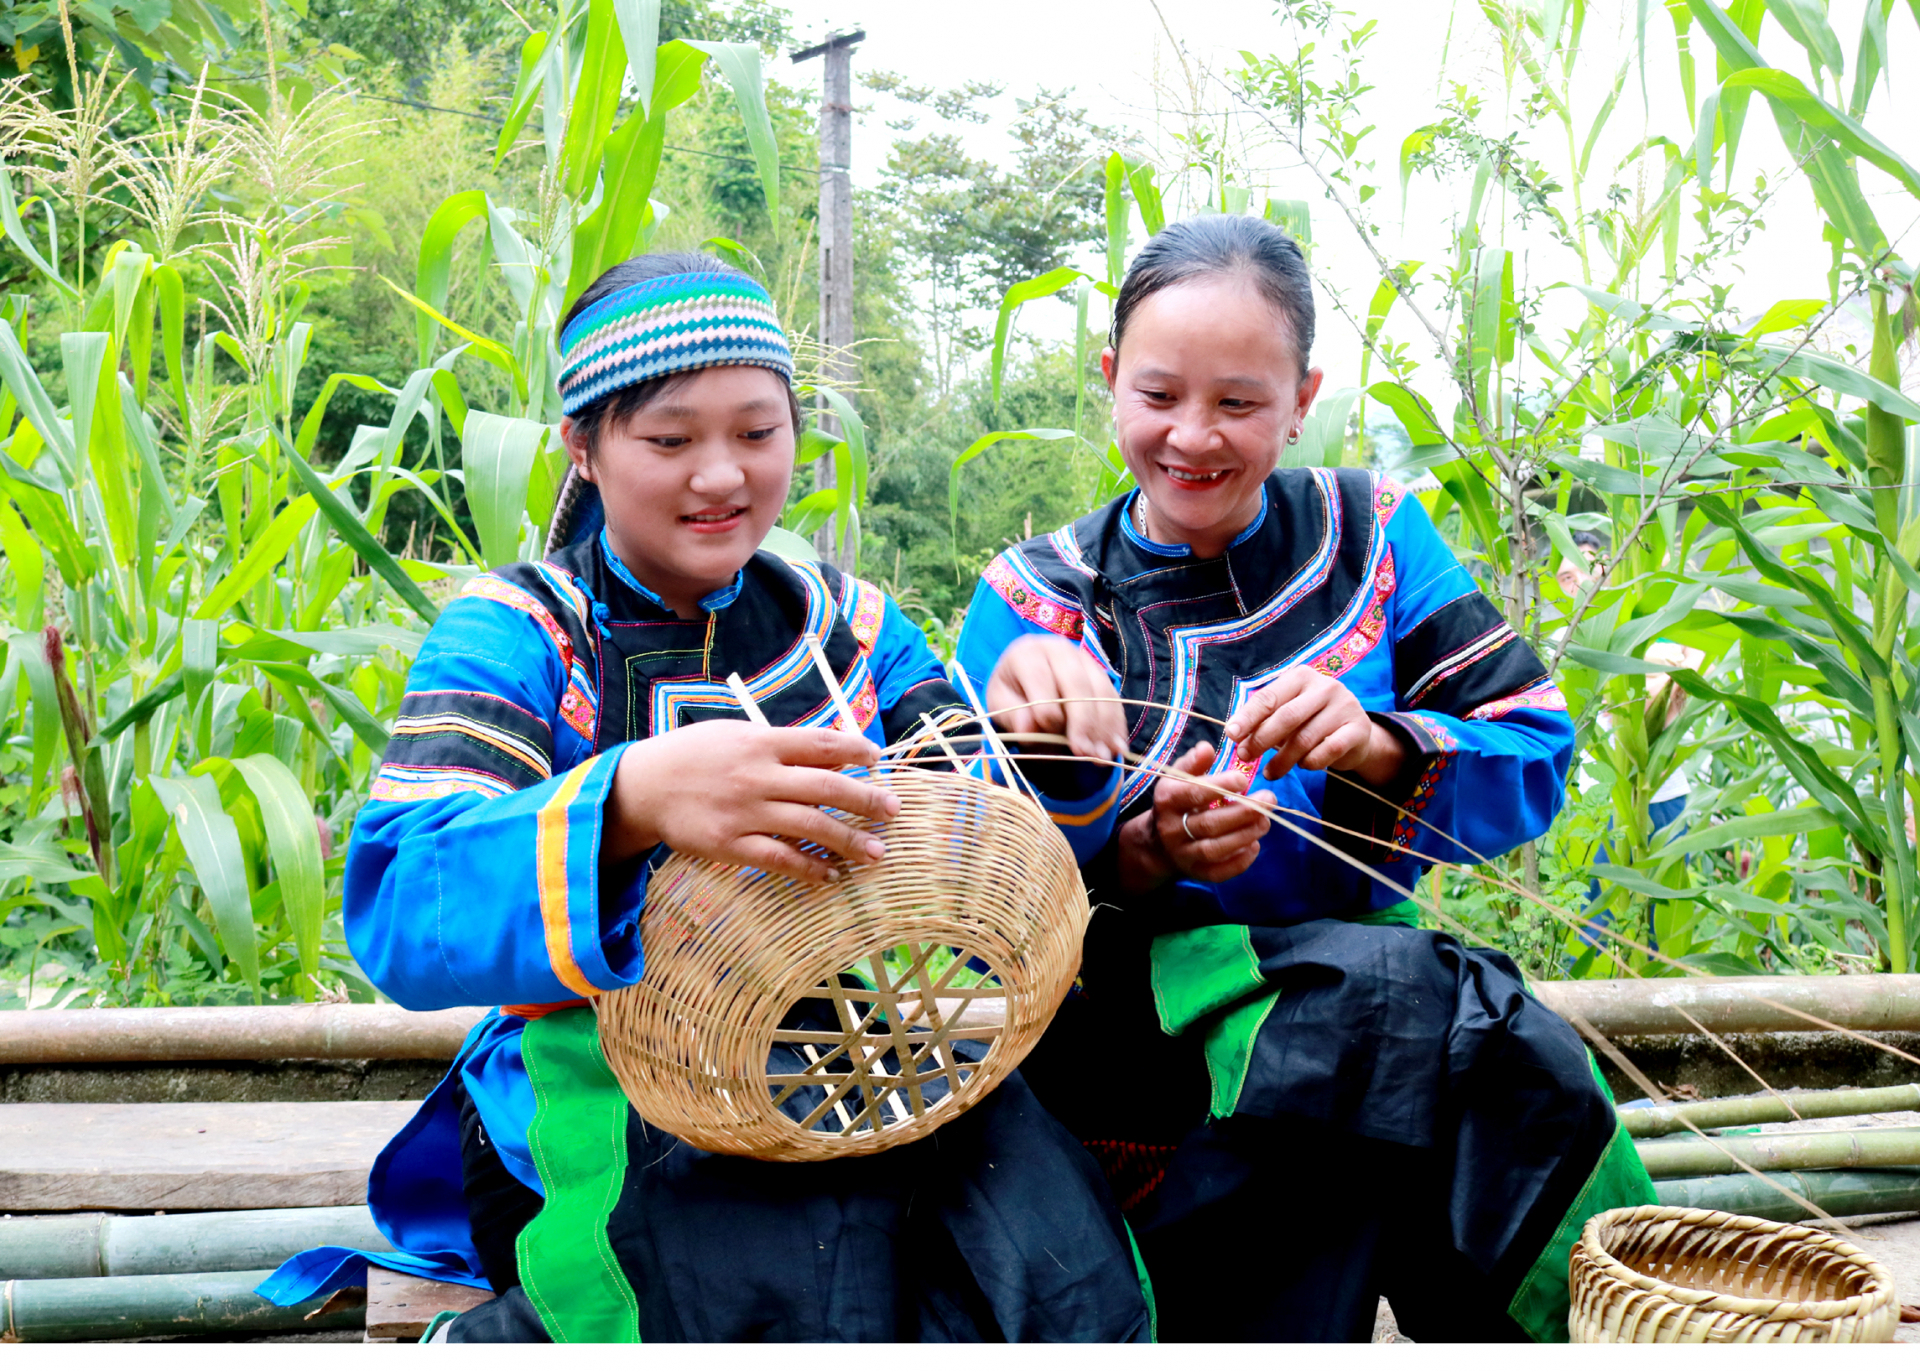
1170, 471
709, 525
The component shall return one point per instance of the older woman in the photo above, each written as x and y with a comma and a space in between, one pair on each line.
1302, 1099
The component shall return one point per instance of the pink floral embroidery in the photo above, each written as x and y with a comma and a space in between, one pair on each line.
866, 705
506, 593
1367, 633
1050, 612
578, 711
1387, 496
867, 608
1546, 695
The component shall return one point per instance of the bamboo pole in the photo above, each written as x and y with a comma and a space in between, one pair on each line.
1782, 1152
76, 1245
1617, 1008
244, 1033
1840, 1193
1730, 1004
202, 1304
1751, 1109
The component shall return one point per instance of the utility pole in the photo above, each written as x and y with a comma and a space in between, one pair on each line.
836, 239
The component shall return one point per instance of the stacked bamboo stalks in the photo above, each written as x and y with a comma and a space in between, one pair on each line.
85, 1277
1704, 1155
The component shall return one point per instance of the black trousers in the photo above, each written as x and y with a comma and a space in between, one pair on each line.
1411, 1125
996, 1228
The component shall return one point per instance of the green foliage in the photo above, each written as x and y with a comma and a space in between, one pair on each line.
1747, 619
276, 378
229, 603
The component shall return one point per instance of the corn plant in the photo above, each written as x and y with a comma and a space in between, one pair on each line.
1753, 487
207, 636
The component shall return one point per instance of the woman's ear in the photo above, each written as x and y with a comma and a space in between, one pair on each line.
1309, 387
1108, 361
575, 443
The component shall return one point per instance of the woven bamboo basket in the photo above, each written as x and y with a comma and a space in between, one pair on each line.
794, 1022
1660, 1274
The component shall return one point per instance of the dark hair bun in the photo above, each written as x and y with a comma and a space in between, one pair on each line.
1223, 245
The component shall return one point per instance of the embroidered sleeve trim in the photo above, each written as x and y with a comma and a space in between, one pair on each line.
1368, 632
503, 592
407, 784
865, 606
1542, 695
1460, 659
1014, 581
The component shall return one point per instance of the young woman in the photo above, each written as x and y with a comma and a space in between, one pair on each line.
566, 722
1323, 1102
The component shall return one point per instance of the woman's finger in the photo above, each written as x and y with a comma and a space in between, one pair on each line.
1338, 744
806, 823
821, 747
1309, 692
1096, 723
1214, 852
1312, 732
1247, 719
1225, 871
1228, 818
781, 859
810, 786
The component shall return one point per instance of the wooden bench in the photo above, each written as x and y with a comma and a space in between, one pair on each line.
191, 1156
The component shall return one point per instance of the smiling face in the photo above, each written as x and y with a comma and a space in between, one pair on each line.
1206, 390
692, 481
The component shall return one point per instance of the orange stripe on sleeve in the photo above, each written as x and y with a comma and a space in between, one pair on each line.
551, 864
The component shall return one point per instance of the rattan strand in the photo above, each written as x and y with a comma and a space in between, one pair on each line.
1661, 1274
971, 867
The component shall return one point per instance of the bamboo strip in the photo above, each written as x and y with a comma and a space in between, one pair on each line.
1731, 1113
1782, 1152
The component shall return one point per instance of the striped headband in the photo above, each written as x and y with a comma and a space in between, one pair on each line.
670, 324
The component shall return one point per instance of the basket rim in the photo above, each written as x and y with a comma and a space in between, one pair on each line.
1768, 1310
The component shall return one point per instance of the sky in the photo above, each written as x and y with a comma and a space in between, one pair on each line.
1121, 62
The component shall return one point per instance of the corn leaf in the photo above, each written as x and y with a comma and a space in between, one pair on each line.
603, 70
433, 265
526, 89
1806, 23
980, 445
740, 64
293, 838
211, 842
1017, 295
639, 22
497, 456
355, 535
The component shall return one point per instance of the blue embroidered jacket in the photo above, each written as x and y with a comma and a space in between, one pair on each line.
475, 877
1343, 572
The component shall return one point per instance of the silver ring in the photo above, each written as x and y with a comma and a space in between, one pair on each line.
1184, 829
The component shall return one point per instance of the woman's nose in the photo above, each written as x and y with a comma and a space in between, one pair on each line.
720, 475
1193, 432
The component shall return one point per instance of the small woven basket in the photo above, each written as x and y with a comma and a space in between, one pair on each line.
796, 1022
1660, 1274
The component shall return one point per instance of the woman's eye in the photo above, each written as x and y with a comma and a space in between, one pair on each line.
1236, 404
760, 435
1158, 397
671, 440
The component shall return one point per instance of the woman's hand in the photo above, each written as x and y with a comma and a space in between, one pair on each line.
1185, 834
1038, 669
746, 794
1310, 720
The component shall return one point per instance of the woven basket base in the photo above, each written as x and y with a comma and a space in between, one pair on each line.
1662, 1274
